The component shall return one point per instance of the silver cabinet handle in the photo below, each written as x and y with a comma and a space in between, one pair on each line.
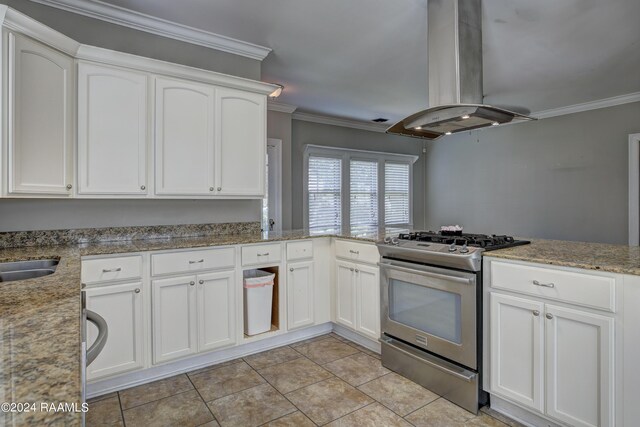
137, 291
265, 254
201, 281
192, 283
354, 252
219, 188
69, 186
544, 285
291, 269
549, 316
142, 187
196, 262
536, 313
111, 270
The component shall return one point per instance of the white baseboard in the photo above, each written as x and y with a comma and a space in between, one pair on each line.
132, 379
357, 338
519, 414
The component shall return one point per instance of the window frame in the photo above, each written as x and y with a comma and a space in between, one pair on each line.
346, 155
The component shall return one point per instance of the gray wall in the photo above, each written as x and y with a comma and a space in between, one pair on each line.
304, 133
42, 214
279, 127
559, 178
110, 36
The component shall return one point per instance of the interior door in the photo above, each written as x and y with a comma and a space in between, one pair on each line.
272, 204
184, 138
41, 112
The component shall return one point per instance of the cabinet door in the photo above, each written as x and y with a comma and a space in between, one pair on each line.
40, 119
368, 300
241, 143
216, 310
345, 294
121, 307
112, 131
174, 318
516, 343
579, 367
184, 138
300, 291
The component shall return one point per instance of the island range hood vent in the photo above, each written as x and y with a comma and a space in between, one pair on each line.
454, 43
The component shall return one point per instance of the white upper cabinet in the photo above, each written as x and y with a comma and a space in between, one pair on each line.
184, 138
112, 131
40, 119
241, 148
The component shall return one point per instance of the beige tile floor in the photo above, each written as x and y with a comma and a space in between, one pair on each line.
326, 380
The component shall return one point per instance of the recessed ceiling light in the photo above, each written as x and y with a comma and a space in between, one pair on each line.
380, 120
418, 127
466, 116
447, 133
277, 92
495, 124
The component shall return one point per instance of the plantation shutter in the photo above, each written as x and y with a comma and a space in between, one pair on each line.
325, 186
396, 193
364, 194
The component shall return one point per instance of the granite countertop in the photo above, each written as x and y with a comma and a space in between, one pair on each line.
621, 259
40, 319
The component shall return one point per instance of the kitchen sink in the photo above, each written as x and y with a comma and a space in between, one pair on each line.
31, 269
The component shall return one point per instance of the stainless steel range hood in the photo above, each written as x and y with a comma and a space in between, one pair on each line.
454, 42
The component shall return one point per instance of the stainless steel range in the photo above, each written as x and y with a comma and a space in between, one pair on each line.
431, 296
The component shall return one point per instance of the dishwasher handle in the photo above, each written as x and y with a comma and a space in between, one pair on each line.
103, 332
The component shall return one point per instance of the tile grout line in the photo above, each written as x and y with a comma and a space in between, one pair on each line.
202, 398
151, 401
124, 423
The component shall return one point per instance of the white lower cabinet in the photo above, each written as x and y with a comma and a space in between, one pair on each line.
358, 297
556, 360
192, 314
121, 305
300, 290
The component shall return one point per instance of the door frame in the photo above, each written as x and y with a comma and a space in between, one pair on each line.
634, 189
277, 145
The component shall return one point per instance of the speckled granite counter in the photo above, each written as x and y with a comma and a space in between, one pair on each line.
591, 256
40, 327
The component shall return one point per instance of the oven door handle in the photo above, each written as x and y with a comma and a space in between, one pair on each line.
103, 332
422, 272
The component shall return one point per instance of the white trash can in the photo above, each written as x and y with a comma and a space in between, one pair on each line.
258, 294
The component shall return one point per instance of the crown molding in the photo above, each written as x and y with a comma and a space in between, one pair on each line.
161, 27
155, 66
335, 121
281, 107
23, 24
586, 106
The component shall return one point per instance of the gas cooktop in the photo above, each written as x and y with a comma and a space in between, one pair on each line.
485, 241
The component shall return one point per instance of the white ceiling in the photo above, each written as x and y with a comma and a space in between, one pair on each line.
363, 59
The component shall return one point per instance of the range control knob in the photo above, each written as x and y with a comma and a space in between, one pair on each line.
453, 248
464, 249
387, 240
395, 241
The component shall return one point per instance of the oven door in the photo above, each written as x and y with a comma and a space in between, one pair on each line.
432, 308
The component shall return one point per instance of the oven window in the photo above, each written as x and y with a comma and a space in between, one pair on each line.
429, 310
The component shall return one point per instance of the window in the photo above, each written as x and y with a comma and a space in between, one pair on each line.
325, 193
364, 194
356, 190
396, 193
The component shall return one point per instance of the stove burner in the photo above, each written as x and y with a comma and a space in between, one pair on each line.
476, 240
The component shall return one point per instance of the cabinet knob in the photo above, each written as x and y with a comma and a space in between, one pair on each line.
142, 187
291, 269
137, 291
201, 281
219, 188
536, 313
210, 188
192, 283
357, 271
549, 316
351, 269
69, 186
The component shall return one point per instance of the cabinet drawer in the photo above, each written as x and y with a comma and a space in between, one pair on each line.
357, 251
571, 287
192, 261
110, 269
299, 250
260, 254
